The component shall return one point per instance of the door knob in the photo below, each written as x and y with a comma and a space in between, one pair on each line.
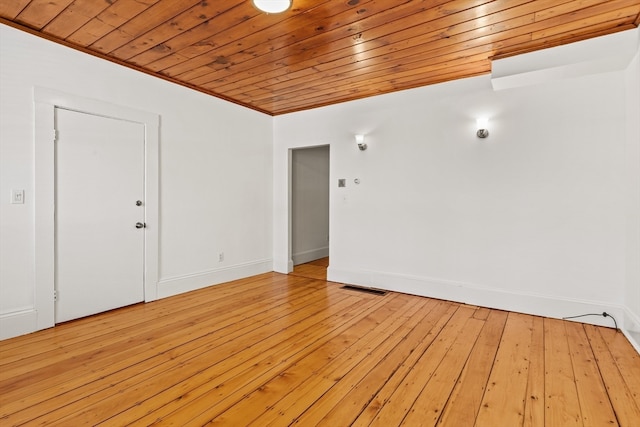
139, 203
140, 225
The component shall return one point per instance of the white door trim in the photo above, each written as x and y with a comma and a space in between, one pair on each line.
45, 102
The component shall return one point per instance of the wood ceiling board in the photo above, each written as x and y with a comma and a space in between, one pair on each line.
414, 56
11, 8
376, 86
229, 37
436, 35
341, 43
109, 20
319, 52
74, 17
195, 41
357, 90
260, 47
161, 12
391, 69
327, 42
39, 13
194, 17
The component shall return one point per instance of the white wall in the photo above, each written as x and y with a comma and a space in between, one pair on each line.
309, 204
215, 170
531, 219
541, 217
632, 296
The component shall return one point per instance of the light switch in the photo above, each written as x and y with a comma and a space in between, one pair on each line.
17, 197
342, 182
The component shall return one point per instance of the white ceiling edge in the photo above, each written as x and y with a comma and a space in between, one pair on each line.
612, 52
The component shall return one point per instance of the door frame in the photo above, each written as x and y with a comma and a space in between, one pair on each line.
45, 103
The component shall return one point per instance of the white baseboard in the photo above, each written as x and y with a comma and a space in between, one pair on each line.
25, 321
18, 323
308, 256
190, 282
521, 302
631, 320
631, 328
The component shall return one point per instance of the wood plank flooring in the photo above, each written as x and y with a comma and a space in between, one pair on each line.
275, 350
313, 270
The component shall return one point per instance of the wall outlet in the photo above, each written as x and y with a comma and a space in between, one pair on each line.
17, 197
221, 257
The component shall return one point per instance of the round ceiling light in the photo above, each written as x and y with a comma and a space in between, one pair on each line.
272, 6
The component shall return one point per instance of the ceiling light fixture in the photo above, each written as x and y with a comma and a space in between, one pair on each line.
272, 6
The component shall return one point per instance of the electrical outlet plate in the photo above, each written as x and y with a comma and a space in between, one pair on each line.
17, 197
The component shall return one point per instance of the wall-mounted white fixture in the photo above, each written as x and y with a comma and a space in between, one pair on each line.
483, 125
272, 6
360, 141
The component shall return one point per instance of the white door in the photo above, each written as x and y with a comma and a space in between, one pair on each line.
99, 201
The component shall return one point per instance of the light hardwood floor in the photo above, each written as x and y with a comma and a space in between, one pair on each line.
280, 350
313, 270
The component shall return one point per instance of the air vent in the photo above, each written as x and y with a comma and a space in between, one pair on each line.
364, 289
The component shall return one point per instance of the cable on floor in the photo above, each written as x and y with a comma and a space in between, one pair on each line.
603, 314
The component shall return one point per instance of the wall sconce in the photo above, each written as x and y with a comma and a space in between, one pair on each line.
360, 141
483, 130
272, 6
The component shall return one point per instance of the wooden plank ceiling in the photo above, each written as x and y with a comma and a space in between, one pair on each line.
319, 52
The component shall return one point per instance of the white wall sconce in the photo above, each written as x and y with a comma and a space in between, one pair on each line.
483, 125
272, 6
360, 141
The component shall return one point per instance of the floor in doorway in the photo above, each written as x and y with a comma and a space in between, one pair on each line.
314, 270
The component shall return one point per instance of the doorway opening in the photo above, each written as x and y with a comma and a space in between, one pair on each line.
309, 211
